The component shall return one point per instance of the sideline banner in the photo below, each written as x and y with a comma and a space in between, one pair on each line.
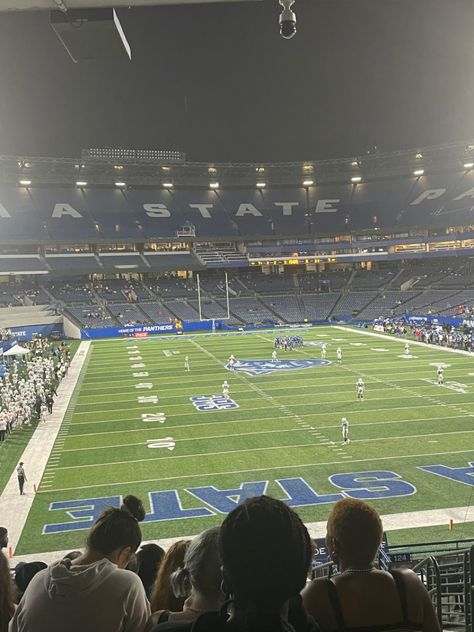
143, 331
53, 330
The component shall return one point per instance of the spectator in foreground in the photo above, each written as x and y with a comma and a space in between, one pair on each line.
3, 538
94, 592
7, 607
363, 597
149, 558
266, 555
200, 577
162, 597
24, 573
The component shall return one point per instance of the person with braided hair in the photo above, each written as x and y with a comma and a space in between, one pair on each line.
94, 592
266, 556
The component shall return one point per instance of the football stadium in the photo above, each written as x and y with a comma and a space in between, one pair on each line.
232, 354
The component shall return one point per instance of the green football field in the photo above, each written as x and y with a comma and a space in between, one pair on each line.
131, 427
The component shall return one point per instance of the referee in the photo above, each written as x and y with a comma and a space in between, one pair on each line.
20, 471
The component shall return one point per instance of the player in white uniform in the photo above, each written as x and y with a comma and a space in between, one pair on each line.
231, 362
345, 430
360, 387
225, 390
323, 350
339, 354
274, 356
186, 363
440, 375
407, 348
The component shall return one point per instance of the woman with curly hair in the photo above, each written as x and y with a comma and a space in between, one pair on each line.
363, 597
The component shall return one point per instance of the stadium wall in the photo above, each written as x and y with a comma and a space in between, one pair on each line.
71, 330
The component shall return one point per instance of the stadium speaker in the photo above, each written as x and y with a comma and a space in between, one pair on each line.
91, 34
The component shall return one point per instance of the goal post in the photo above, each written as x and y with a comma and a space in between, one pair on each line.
227, 317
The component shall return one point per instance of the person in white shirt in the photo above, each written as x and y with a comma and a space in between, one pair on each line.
440, 375
225, 390
323, 350
339, 354
94, 592
360, 387
345, 430
186, 363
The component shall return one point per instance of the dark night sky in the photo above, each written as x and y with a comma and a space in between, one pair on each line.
359, 73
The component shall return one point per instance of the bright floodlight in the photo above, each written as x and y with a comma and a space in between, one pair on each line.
418, 172
213, 185
81, 183
308, 183
468, 165
120, 184
168, 185
261, 185
25, 183
356, 178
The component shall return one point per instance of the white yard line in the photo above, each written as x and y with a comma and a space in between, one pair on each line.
391, 522
404, 341
14, 509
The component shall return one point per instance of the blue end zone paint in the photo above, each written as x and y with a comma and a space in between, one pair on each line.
205, 404
224, 500
265, 367
167, 505
367, 485
463, 475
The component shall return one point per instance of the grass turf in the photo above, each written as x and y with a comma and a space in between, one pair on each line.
287, 426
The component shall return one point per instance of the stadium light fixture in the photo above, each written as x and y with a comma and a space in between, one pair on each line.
81, 183
261, 185
168, 185
468, 165
213, 185
120, 184
418, 172
356, 179
308, 183
25, 183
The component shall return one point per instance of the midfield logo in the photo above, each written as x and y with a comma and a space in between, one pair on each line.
205, 403
264, 367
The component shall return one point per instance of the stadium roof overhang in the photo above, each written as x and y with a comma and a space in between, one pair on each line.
49, 5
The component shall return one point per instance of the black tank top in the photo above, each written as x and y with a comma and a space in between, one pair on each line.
401, 626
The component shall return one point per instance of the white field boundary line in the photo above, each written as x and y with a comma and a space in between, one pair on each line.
391, 522
405, 340
258, 432
290, 401
206, 475
273, 386
326, 413
14, 509
250, 421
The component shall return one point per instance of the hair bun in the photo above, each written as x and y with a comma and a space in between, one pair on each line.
134, 506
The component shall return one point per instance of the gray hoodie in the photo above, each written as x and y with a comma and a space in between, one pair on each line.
68, 597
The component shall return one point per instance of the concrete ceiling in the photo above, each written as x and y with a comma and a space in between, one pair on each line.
47, 5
